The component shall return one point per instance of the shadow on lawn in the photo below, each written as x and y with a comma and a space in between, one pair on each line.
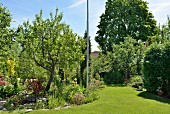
152, 96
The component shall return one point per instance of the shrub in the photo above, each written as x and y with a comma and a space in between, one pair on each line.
70, 91
152, 67
52, 102
35, 86
156, 67
135, 81
95, 84
114, 77
91, 93
7, 91
40, 105
78, 99
12, 103
55, 102
90, 96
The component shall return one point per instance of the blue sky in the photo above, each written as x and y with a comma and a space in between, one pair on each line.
75, 12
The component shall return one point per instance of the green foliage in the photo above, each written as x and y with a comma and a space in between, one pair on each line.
135, 81
166, 61
114, 77
70, 91
122, 19
91, 93
81, 79
51, 44
100, 64
124, 61
55, 94
55, 102
12, 103
27, 69
5, 33
40, 105
74, 93
7, 91
52, 102
156, 67
40, 49
91, 96
6, 38
153, 67
164, 31
163, 34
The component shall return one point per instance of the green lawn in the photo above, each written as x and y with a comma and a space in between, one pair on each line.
117, 100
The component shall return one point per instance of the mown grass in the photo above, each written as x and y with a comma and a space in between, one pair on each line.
116, 100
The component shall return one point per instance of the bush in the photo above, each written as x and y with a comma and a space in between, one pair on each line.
40, 105
78, 98
76, 94
153, 67
91, 93
12, 103
90, 96
95, 84
55, 102
156, 67
52, 102
70, 91
135, 81
35, 86
114, 77
7, 91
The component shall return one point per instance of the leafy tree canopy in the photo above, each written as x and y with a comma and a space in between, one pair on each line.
51, 44
124, 18
5, 33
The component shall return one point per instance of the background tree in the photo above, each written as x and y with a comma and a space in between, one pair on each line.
6, 37
124, 18
165, 30
122, 63
125, 58
100, 65
5, 32
51, 44
163, 34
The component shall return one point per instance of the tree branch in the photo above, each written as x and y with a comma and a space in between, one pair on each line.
45, 67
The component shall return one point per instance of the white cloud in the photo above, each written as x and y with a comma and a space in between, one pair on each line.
160, 6
160, 10
78, 3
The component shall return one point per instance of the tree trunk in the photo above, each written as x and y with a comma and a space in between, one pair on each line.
50, 80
